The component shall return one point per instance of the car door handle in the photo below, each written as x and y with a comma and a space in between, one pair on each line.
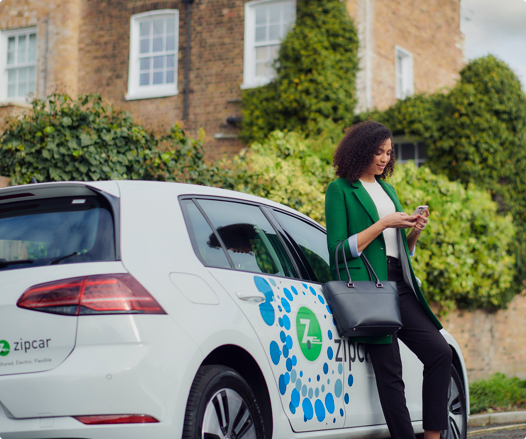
251, 297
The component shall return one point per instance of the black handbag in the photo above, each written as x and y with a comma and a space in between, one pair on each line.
363, 308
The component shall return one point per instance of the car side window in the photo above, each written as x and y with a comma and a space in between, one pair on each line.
312, 242
200, 231
251, 242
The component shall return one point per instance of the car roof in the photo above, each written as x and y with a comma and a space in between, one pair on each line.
112, 187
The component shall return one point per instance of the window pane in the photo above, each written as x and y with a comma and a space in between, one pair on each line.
313, 243
145, 63
273, 52
22, 89
170, 26
22, 75
261, 53
158, 62
157, 44
408, 151
261, 34
170, 43
288, 13
11, 75
22, 51
144, 79
422, 151
252, 243
200, 233
144, 29
11, 42
158, 27
32, 52
170, 61
144, 46
274, 14
10, 58
261, 16
274, 32
11, 90
170, 76
261, 69
158, 77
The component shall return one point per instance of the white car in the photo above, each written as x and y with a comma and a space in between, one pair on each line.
153, 310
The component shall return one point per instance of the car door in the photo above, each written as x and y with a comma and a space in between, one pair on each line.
362, 404
290, 316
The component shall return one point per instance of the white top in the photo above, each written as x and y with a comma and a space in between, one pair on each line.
384, 206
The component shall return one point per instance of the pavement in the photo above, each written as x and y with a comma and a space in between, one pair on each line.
497, 418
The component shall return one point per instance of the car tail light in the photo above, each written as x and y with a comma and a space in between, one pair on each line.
101, 294
116, 419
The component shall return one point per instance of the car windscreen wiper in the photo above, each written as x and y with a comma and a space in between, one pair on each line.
4, 263
56, 261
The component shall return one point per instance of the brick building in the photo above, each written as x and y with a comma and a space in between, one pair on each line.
134, 52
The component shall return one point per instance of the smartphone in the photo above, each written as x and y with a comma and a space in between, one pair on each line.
420, 210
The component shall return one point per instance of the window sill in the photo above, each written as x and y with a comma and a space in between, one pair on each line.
150, 94
254, 83
14, 103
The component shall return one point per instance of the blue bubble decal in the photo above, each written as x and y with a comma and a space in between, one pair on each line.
275, 353
265, 308
286, 322
346, 398
329, 309
340, 368
286, 304
289, 364
272, 281
292, 408
282, 336
294, 290
320, 410
304, 285
288, 294
312, 290
298, 384
330, 334
338, 388
350, 380
329, 353
293, 375
311, 393
295, 398
282, 384
325, 368
301, 373
341, 412
279, 308
280, 321
323, 388
294, 360
304, 390
307, 409
288, 341
329, 403
321, 299
317, 392
318, 378
285, 351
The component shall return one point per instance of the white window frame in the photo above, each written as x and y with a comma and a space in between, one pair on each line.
398, 141
250, 80
404, 81
151, 91
4, 35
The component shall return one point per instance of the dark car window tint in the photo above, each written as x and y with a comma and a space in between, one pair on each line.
55, 231
313, 243
251, 241
200, 233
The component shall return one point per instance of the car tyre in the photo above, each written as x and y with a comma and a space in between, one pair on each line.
221, 405
456, 407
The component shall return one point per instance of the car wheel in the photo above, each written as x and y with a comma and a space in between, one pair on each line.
221, 405
456, 407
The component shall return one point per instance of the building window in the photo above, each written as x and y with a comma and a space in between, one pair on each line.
404, 73
154, 46
407, 149
266, 24
18, 63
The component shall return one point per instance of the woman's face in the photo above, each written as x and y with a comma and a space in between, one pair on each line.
380, 160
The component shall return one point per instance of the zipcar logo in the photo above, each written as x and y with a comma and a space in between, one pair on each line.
4, 348
309, 333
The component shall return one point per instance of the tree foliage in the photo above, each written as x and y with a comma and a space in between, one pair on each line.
63, 139
315, 74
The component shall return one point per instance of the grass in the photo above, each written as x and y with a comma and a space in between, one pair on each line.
498, 393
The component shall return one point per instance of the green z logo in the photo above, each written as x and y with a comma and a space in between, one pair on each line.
4, 348
309, 333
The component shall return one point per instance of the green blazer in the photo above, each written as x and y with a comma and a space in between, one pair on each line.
349, 209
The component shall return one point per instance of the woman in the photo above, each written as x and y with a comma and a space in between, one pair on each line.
364, 212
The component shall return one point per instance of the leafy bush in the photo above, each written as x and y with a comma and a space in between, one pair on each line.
316, 70
64, 139
497, 393
475, 133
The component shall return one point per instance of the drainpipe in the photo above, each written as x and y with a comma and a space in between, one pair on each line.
187, 65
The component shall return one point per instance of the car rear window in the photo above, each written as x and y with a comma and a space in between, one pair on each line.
54, 231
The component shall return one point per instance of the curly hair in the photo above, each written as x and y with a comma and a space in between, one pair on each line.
356, 150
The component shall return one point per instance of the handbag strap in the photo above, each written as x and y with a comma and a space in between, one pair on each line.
368, 266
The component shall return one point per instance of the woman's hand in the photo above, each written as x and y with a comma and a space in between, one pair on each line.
399, 220
421, 221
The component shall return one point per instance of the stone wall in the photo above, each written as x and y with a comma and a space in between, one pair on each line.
491, 342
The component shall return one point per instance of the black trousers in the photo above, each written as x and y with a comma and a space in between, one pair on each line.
423, 338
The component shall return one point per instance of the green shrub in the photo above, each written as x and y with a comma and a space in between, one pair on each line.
497, 393
316, 70
64, 139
